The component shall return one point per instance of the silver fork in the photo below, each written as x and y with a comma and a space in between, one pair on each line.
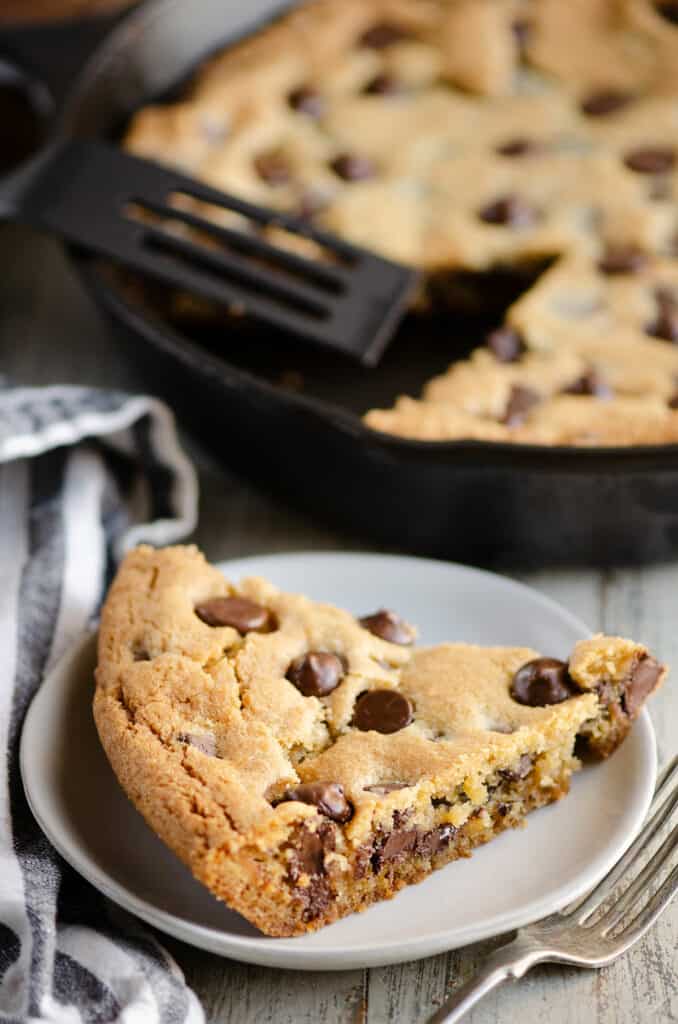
577, 935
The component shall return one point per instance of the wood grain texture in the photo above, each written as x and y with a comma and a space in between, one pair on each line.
50, 333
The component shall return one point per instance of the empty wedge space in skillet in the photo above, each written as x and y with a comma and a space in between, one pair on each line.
305, 763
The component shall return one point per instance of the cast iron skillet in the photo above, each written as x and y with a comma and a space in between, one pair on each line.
472, 501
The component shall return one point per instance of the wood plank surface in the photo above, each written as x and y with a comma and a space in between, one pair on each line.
50, 333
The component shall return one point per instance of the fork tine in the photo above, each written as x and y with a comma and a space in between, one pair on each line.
649, 914
619, 909
665, 800
663, 778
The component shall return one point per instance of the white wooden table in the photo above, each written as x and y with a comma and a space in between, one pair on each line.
50, 333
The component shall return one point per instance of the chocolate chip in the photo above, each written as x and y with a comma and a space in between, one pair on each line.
353, 167
520, 401
623, 259
307, 100
541, 682
521, 29
393, 847
383, 34
640, 682
140, 653
511, 211
520, 147
384, 85
432, 842
665, 326
239, 612
673, 401
651, 160
521, 771
309, 854
505, 344
205, 742
590, 383
273, 168
389, 626
384, 788
605, 101
384, 711
328, 797
316, 674
668, 9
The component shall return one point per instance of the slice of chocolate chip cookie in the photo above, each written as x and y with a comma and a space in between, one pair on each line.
305, 762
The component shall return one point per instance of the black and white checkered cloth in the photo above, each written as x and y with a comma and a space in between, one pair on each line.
83, 475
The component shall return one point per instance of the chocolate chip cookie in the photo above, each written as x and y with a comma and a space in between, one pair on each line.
472, 135
304, 761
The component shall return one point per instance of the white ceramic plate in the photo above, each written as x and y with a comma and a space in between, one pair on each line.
517, 878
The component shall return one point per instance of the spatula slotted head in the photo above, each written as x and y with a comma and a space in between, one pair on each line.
149, 218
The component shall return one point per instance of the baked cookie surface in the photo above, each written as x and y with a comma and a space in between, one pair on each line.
468, 135
305, 763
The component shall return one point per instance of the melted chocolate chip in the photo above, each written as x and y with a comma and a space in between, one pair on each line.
383, 34
317, 673
140, 653
520, 401
384, 711
520, 147
353, 167
389, 626
640, 683
432, 842
205, 742
384, 85
239, 612
605, 101
328, 797
393, 847
505, 344
384, 788
590, 383
623, 259
307, 857
673, 401
307, 100
402, 843
651, 160
668, 9
510, 211
273, 168
541, 682
309, 854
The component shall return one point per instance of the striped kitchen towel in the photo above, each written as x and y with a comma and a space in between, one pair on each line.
84, 474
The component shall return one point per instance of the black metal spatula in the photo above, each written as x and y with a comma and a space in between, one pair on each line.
90, 194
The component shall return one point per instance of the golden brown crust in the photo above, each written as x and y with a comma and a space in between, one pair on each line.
207, 734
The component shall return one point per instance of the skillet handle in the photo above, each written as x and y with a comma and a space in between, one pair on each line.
38, 63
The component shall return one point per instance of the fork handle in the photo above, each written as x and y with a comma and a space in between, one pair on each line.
511, 961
